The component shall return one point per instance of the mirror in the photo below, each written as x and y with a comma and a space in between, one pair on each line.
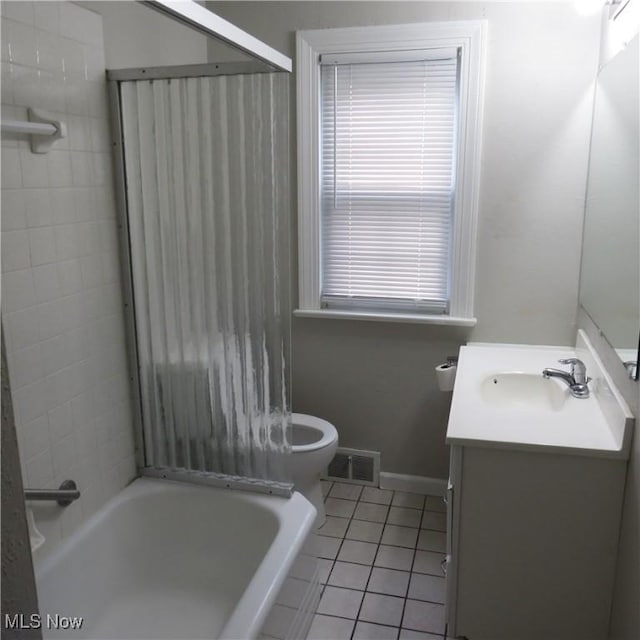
610, 272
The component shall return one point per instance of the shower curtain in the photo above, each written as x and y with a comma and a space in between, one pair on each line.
206, 165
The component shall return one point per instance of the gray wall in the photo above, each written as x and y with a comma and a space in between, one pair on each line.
375, 380
137, 36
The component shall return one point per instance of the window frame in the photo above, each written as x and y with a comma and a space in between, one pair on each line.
470, 38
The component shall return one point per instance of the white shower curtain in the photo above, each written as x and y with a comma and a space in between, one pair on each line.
208, 207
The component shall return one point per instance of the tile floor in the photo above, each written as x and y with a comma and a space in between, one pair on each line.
380, 554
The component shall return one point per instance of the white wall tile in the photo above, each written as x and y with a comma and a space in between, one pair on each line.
53, 97
17, 290
79, 24
5, 47
49, 52
72, 53
26, 366
62, 307
63, 206
91, 272
15, 250
43, 248
108, 233
14, 214
64, 455
69, 277
20, 11
7, 90
50, 319
40, 470
111, 267
11, 171
77, 344
94, 63
67, 242
54, 354
59, 167
96, 95
47, 16
79, 133
102, 169
76, 95
87, 439
26, 87
37, 207
100, 135
85, 199
33, 438
60, 421
22, 43
81, 164
29, 401
22, 328
35, 169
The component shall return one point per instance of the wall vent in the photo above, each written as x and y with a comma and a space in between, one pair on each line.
356, 466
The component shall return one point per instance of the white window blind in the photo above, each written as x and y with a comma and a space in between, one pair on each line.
388, 137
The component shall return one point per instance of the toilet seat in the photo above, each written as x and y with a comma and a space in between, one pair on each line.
326, 432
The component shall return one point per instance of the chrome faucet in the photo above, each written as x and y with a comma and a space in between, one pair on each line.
576, 379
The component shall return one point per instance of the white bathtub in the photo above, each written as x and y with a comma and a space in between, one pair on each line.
168, 560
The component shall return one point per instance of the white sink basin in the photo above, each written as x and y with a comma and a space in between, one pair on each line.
526, 390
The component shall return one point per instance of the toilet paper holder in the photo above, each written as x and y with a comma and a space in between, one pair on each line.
446, 373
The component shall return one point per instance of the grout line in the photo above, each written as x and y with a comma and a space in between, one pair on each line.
372, 565
375, 555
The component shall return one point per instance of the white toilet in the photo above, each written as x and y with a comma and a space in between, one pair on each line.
314, 443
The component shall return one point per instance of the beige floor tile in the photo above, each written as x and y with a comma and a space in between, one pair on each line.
404, 499
423, 616
382, 609
394, 558
365, 531
325, 627
350, 575
389, 581
344, 603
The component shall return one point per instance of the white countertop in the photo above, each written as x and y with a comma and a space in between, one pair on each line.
578, 426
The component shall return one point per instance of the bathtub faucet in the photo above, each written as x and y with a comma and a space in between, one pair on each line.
576, 379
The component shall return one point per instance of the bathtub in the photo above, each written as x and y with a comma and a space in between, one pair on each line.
170, 560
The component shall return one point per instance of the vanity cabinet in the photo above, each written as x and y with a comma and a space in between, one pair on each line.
532, 542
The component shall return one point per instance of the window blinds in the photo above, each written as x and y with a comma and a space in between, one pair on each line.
388, 156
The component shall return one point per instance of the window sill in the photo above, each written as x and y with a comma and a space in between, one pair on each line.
385, 317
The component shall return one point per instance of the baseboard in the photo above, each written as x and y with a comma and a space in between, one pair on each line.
413, 484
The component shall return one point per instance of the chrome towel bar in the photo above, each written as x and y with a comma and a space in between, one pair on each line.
64, 495
43, 128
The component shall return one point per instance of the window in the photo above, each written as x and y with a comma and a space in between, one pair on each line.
388, 147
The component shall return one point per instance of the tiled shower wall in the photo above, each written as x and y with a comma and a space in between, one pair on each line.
61, 295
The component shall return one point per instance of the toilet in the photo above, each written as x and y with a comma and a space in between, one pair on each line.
314, 443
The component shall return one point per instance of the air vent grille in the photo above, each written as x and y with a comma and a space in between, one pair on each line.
339, 466
355, 465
